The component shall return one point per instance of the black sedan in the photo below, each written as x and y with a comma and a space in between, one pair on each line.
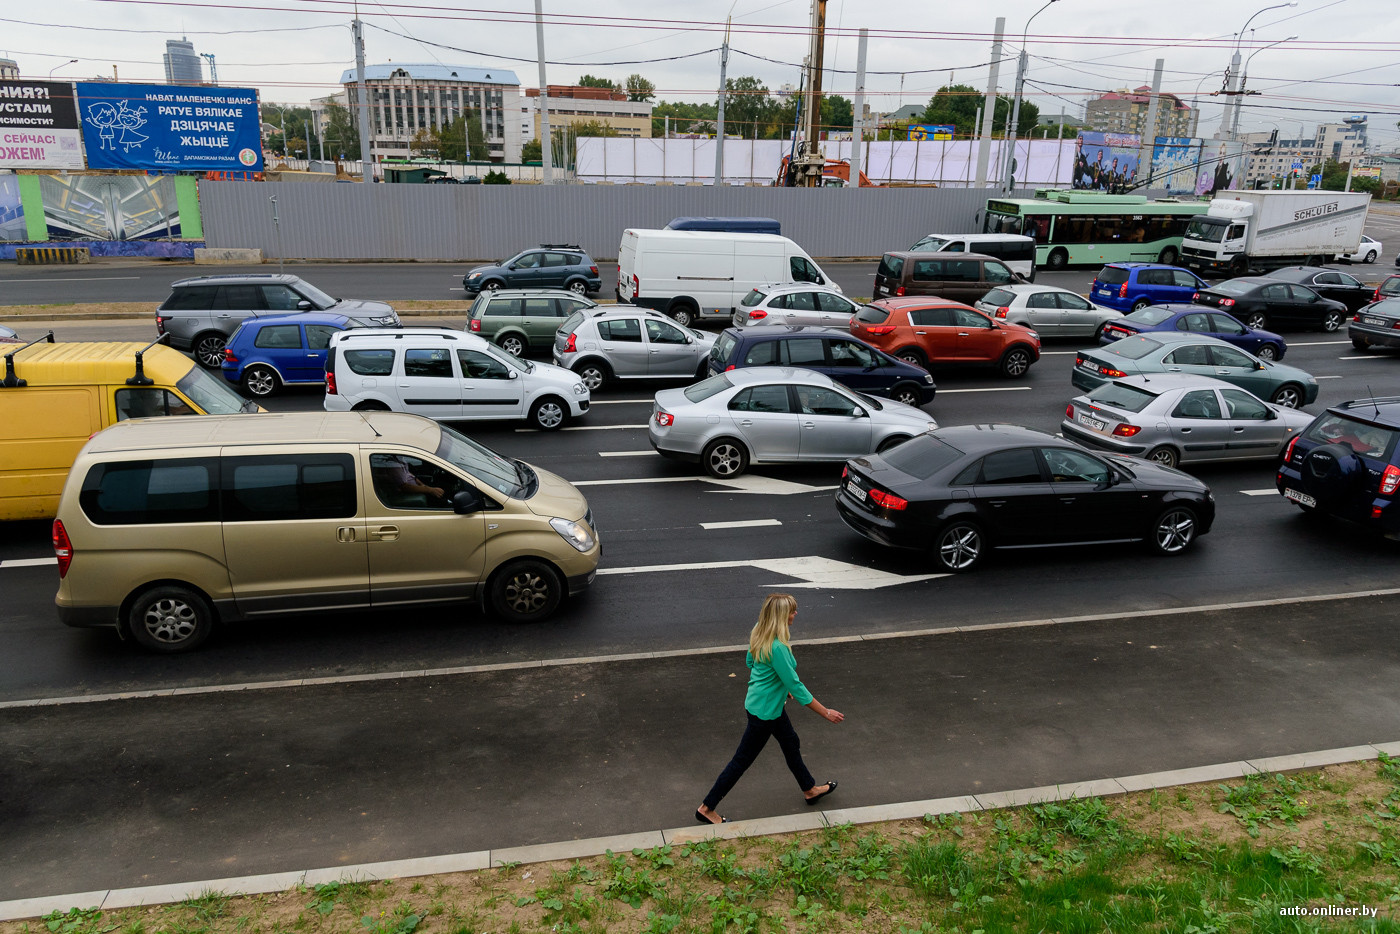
1329, 283
1262, 302
956, 493
1376, 325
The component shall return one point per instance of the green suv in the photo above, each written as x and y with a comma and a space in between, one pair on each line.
522, 320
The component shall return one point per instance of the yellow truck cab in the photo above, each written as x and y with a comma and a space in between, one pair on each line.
54, 396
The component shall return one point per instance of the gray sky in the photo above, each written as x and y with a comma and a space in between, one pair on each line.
1346, 59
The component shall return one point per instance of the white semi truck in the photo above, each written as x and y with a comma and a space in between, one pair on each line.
1254, 231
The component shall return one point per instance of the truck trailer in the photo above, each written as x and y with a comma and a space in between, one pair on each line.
1247, 232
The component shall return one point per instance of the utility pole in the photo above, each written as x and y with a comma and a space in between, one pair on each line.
1149, 132
546, 140
719, 114
362, 95
811, 161
1007, 178
984, 143
858, 111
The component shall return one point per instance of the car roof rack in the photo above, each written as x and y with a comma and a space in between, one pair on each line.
1370, 402
12, 381
560, 246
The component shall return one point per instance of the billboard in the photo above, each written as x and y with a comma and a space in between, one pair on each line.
39, 126
166, 128
1174, 161
1221, 166
1106, 161
934, 131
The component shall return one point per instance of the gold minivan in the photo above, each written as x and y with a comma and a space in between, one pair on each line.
170, 527
54, 396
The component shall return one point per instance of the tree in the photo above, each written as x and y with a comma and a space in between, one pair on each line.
589, 81
342, 136
590, 128
957, 104
683, 116
425, 142
747, 105
495, 178
836, 112
532, 151
639, 88
463, 139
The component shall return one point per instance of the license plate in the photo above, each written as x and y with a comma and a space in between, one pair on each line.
1089, 367
1093, 423
1301, 498
1377, 321
855, 492
1102, 291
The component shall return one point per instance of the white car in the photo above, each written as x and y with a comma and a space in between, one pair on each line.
1049, 311
447, 375
1367, 253
800, 304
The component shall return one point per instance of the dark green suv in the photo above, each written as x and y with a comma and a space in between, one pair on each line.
522, 320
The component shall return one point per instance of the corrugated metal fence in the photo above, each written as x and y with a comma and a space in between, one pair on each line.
490, 222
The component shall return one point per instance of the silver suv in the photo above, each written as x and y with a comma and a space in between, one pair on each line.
801, 303
629, 343
203, 312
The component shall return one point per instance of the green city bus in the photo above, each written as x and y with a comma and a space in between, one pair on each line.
1093, 227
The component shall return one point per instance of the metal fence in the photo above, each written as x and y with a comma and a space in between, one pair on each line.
490, 222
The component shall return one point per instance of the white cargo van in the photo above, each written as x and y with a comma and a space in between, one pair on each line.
690, 274
1015, 250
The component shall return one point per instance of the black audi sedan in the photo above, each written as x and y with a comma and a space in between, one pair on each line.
959, 492
1264, 303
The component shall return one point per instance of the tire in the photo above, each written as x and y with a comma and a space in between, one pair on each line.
1098, 334
170, 619
907, 393
724, 458
593, 373
491, 285
1370, 257
1332, 321
1168, 256
513, 344
683, 313
1140, 304
1174, 530
1057, 260
1314, 260
1239, 266
549, 413
370, 406
1015, 362
578, 287
208, 350
889, 443
1257, 320
1163, 454
1359, 344
912, 355
959, 546
259, 381
1289, 395
1267, 352
526, 591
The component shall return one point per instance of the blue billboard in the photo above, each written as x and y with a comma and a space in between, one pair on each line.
168, 128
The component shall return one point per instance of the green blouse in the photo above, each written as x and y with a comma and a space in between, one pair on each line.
772, 681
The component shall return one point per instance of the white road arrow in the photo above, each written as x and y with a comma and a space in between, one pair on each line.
816, 572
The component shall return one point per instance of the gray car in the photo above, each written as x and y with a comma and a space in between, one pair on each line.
626, 342
793, 304
1179, 418
203, 312
775, 414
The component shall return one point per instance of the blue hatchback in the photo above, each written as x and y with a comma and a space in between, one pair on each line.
1266, 345
1134, 286
265, 353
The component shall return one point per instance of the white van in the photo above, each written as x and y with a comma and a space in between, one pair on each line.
690, 274
1015, 250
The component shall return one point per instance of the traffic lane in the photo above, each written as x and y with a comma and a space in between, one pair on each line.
183, 788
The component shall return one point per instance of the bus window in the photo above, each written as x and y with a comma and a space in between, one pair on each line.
1039, 228
1001, 223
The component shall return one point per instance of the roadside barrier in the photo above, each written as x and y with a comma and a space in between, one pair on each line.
44, 255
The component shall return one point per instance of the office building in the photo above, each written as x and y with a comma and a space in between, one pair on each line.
569, 104
1125, 111
182, 63
1276, 156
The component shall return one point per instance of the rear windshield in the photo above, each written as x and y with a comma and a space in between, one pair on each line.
999, 297
1234, 287
1149, 315
1386, 306
1121, 396
480, 304
1390, 286
572, 322
870, 314
922, 456
1363, 438
753, 298
1112, 275
702, 390
891, 267
1134, 348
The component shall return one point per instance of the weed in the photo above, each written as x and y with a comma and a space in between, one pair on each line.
630, 885
399, 922
935, 869
727, 915
1262, 800
662, 923
1297, 860
208, 906
658, 856
77, 921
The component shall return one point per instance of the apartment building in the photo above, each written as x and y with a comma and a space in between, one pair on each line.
1125, 111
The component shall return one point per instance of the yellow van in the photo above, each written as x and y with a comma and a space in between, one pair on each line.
169, 527
54, 396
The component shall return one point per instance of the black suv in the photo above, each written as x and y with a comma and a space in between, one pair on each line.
1345, 464
547, 266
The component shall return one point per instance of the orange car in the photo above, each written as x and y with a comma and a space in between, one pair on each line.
929, 331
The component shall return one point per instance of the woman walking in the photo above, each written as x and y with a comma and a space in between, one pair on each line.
772, 679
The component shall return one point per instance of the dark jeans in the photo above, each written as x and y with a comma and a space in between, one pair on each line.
755, 738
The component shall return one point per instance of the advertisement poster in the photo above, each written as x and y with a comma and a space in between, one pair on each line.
1174, 161
1222, 163
933, 131
110, 207
39, 126
166, 128
11, 210
1106, 161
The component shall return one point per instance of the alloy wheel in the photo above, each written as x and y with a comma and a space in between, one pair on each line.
1175, 530
960, 547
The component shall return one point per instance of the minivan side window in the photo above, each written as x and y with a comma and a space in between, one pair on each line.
280, 488
370, 362
799, 352
151, 491
149, 403
432, 362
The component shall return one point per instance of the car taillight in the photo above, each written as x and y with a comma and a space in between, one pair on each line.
1125, 430
1390, 480
888, 500
160, 322
899, 290
636, 287
1195, 296
1001, 312
475, 324
571, 345
229, 357
1226, 302
1078, 360
665, 419
63, 548
330, 384
1069, 410
593, 270
881, 330
1123, 290
1110, 371
1288, 451
728, 368
757, 314
845, 472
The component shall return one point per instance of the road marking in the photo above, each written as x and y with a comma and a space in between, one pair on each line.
1269, 492
751, 483
944, 392
1059, 353
741, 524
27, 562
584, 428
814, 571
1328, 377
627, 454
76, 279
621, 401
1318, 343
642, 480
1363, 358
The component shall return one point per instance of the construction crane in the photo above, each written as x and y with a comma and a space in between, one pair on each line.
213, 69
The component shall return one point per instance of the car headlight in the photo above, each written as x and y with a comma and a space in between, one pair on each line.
932, 425
928, 377
475, 275
580, 389
575, 533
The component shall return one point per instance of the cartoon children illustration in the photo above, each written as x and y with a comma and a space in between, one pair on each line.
103, 116
129, 121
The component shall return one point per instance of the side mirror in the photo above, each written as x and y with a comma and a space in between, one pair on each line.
514, 374
468, 501
303, 305
511, 266
858, 412
690, 340
1270, 415
821, 281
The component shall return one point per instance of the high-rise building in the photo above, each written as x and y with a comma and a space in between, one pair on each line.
1125, 111
182, 63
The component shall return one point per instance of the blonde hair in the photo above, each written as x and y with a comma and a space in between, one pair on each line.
772, 625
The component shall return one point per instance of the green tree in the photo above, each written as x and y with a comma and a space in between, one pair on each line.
495, 178
532, 151
639, 88
684, 116
463, 139
957, 104
342, 136
836, 112
590, 128
747, 106
589, 81
425, 142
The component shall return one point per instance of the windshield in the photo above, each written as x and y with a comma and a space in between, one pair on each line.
1205, 228
1002, 223
505, 356
316, 296
702, 390
1120, 396
1150, 316
499, 473
928, 245
212, 394
753, 298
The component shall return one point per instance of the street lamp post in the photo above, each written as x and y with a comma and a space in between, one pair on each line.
71, 61
1232, 76
1006, 177
1244, 78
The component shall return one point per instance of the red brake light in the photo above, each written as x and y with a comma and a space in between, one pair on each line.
593, 270
476, 324
229, 357
571, 346
1390, 480
665, 419
1110, 371
1288, 451
1123, 290
330, 384
1374, 298
889, 500
63, 548
1069, 410
636, 287
899, 290
160, 322
1226, 302
757, 313
728, 368
845, 471
1125, 430
1195, 296
881, 330
1001, 312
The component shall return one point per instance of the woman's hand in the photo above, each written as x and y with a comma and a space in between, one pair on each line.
835, 716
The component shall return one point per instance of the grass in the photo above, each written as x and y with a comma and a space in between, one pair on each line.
1241, 856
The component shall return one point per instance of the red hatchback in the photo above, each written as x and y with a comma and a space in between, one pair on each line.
927, 331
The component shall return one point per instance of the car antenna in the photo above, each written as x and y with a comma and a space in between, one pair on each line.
1374, 404
371, 427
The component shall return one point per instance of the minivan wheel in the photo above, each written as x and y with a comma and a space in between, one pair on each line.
578, 287
906, 394
170, 619
513, 344
209, 350
959, 546
526, 591
549, 414
1174, 530
372, 405
1057, 260
593, 375
1289, 395
1015, 362
1332, 321
1164, 455
1140, 304
725, 458
1267, 352
259, 381
682, 314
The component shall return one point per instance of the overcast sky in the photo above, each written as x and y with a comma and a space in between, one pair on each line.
1345, 59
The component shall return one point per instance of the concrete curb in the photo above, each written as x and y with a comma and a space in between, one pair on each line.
597, 846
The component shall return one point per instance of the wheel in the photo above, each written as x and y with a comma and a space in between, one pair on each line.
372, 405
1174, 530
1314, 260
892, 442
578, 287
526, 591
170, 619
513, 344
907, 394
593, 374
1015, 362
1267, 352
1332, 321
1257, 320
959, 546
1168, 256
1371, 257
913, 355
682, 314
1057, 260
1289, 395
1098, 334
1163, 454
492, 285
725, 458
259, 381
1239, 266
209, 350
1140, 304
549, 413
1360, 345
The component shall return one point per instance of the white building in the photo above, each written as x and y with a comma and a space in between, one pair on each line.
9, 68
404, 99
1276, 155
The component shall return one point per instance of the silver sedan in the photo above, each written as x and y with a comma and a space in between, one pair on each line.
770, 415
1180, 418
1047, 310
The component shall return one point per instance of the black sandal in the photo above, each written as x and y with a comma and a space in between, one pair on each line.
831, 786
705, 820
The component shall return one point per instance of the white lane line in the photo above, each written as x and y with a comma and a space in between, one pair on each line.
943, 392
741, 524
591, 427
628, 454
27, 562
1061, 353
1318, 343
642, 480
621, 401
76, 279
1269, 492
1329, 377
1363, 358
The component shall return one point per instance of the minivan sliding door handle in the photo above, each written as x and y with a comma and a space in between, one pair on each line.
345, 533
